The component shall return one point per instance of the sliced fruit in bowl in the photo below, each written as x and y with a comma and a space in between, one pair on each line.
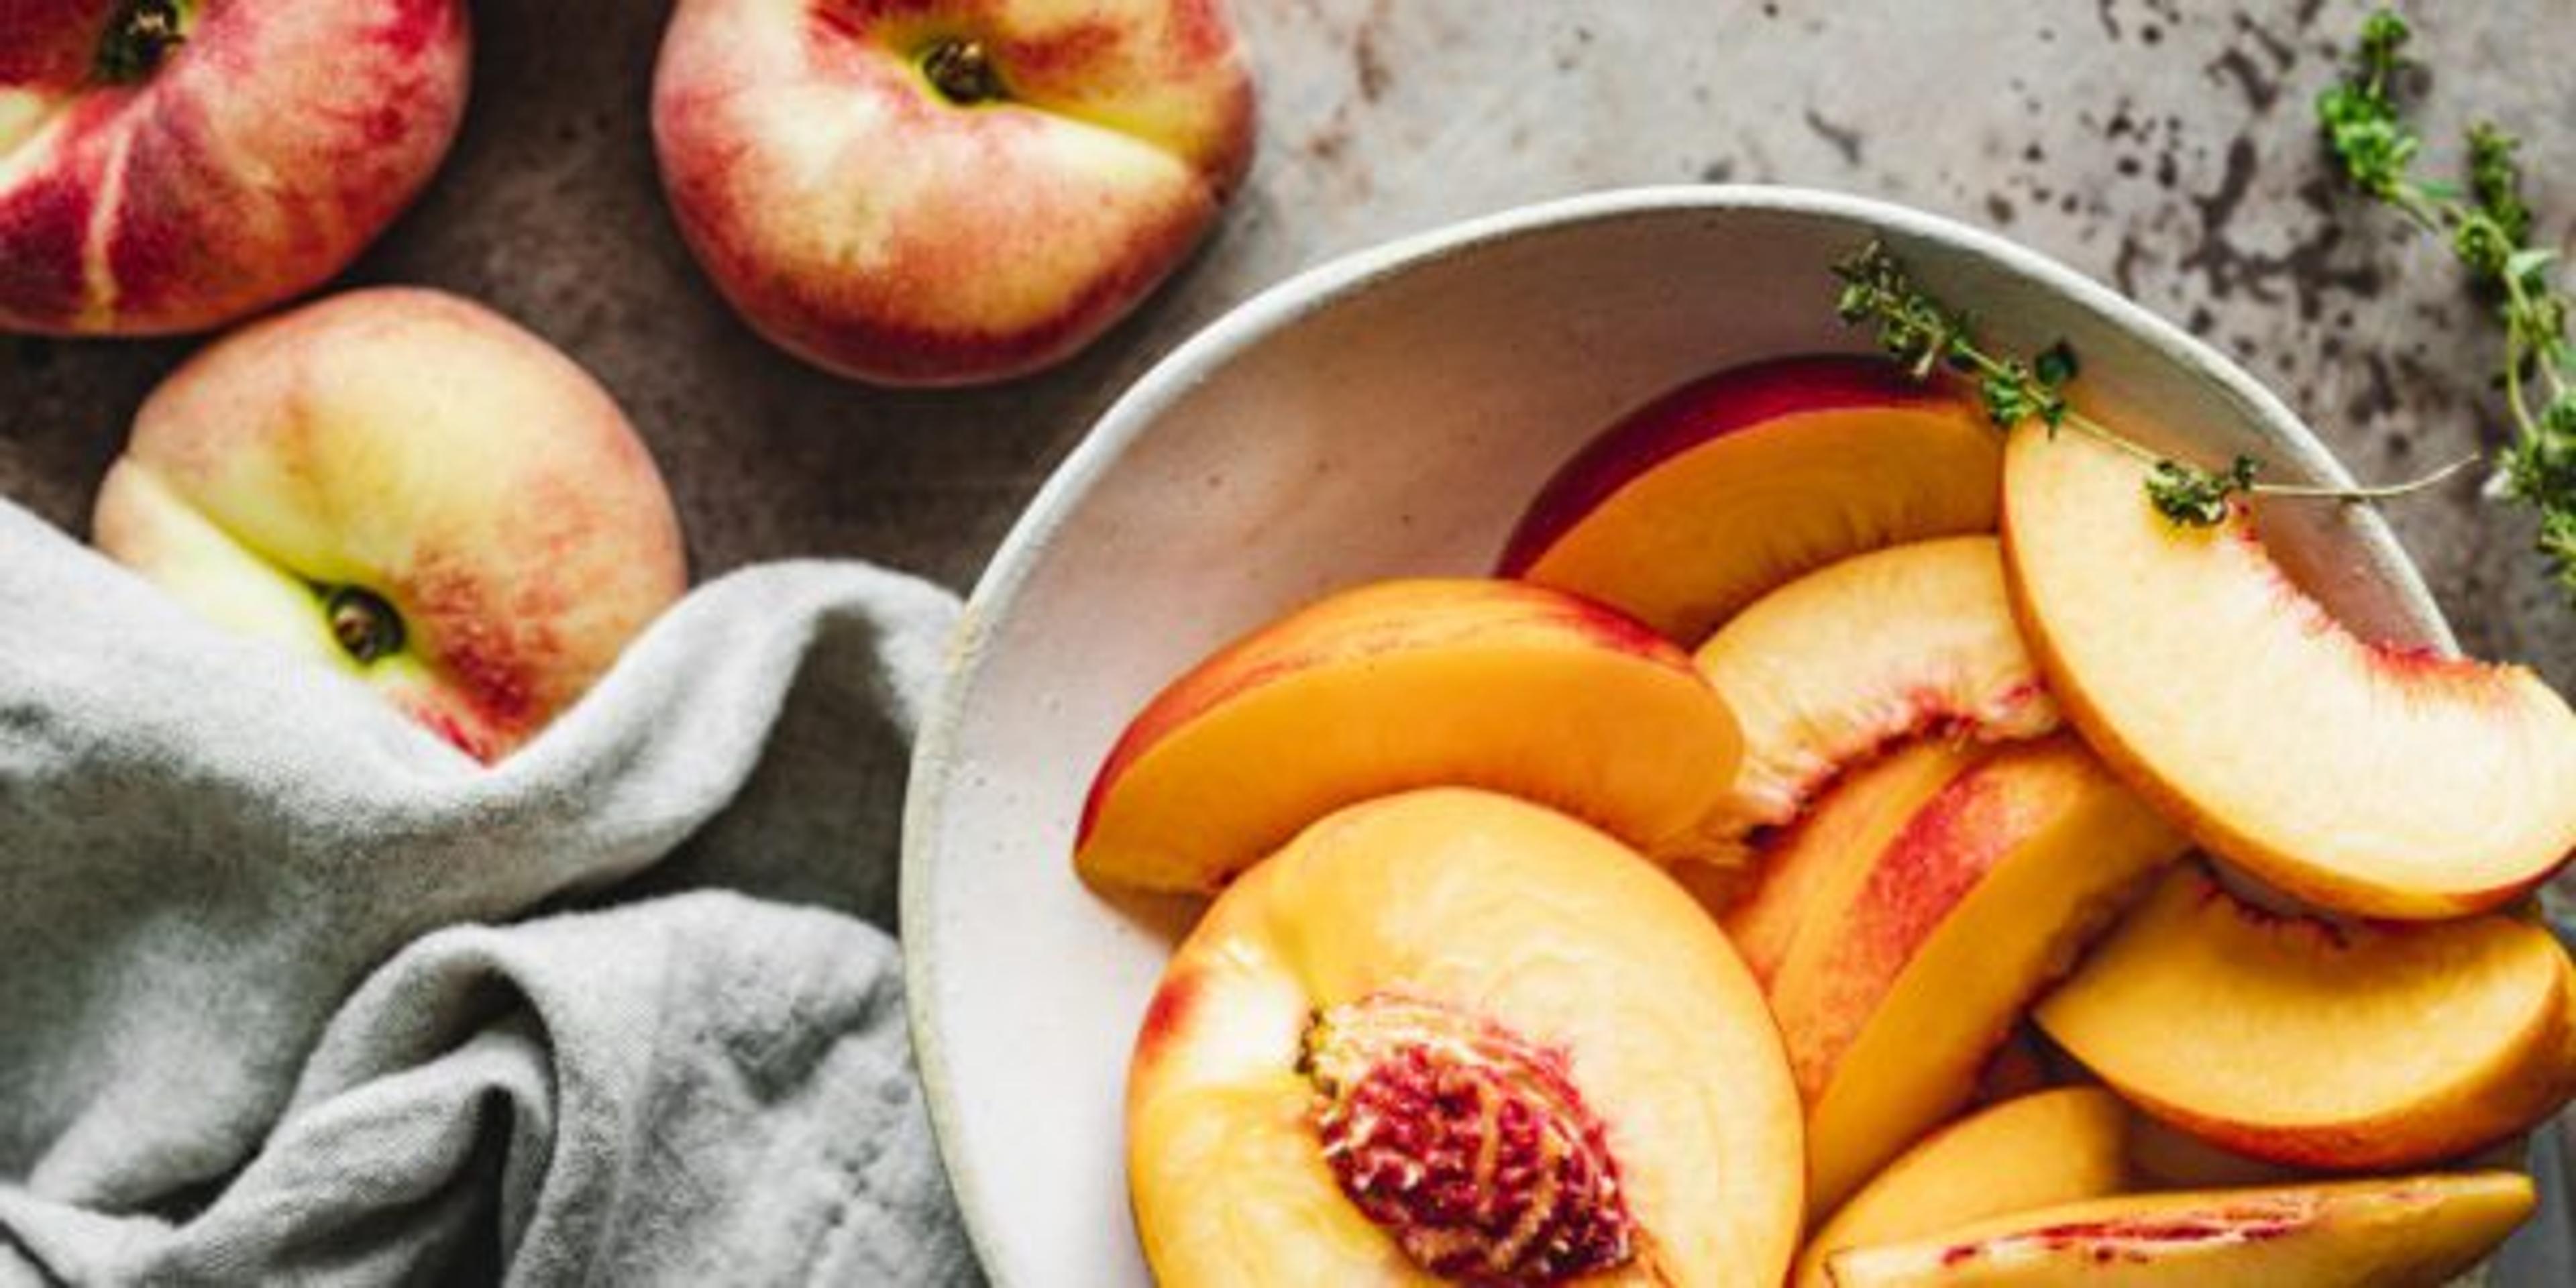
1401, 684
2324, 1045
2381, 781
1450, 1033
1825, 672
1693, 506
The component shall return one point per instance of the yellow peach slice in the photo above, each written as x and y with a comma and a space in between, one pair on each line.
2400, 1232
1915, 640
1398, 685
1453, 1036
1821, 862
2322, 1045
1693, 506
2043, 1149
1893, 996
2375, 781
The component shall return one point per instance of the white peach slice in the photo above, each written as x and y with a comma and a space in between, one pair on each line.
1450, 1036
2037, 1151
2400, 1232
1404, 684
1698, 503
2377, 781
1917, 640
2321, 1045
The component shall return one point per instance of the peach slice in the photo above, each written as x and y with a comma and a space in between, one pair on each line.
1405, 684
2321, 1045
2052, 1147
2400, 1232
1913, 963
1822, 862
2372, 780
1453, 1034
1910, 641
1694, 505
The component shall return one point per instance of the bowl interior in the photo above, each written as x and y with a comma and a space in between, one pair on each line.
1387, 414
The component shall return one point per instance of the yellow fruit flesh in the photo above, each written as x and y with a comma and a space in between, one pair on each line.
1510, 688
1507, 912
1692, 541
1901, 1004
2317, 1045
2406, 1232
2043, 1149
2378, 783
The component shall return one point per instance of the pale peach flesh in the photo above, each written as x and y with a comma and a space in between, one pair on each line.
2323, 1045
1397, 685
1493, 924
2390, 1232
2377, 781
1914, 641
2036, 1151
1698, 503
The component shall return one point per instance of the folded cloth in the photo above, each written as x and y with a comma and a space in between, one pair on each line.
254, 1029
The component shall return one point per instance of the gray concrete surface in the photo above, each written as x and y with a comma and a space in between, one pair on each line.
2162, 147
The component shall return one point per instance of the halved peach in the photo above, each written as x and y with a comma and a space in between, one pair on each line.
2386, 1232
1911, 969
1914, 640
1397, 685
2377, 781
2043, 1149
1452, 1034
1694, 505
2322, 1045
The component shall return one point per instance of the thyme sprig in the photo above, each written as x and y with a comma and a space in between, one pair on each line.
1927, 336
2488, 227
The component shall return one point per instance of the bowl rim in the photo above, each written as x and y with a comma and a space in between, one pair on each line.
1190, 363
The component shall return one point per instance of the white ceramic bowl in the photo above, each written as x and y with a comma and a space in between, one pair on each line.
1387, 413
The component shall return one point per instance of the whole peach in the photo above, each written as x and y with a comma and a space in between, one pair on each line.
408, 487
170, 165
942, 192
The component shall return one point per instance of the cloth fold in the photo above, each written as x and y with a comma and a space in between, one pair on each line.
254, 1027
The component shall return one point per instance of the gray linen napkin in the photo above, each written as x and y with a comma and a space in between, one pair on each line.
252, 1032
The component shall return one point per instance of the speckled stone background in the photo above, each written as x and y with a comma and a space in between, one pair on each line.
2163, 147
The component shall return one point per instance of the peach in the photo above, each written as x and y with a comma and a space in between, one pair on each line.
2376, 781
943, 192
1912, 641
409, 488
1694, 505
1914, 962
171, 165
1450, 1036
2318, 1044
2043, 1149
1405, 684
2400, 1232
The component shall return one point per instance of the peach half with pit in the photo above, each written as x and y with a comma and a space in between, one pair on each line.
1916, 640
1698, 503
2385, 1232
1403, 684
2371, 780
1922, 937
2323, 1045
2040, 1150
1453, 1036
